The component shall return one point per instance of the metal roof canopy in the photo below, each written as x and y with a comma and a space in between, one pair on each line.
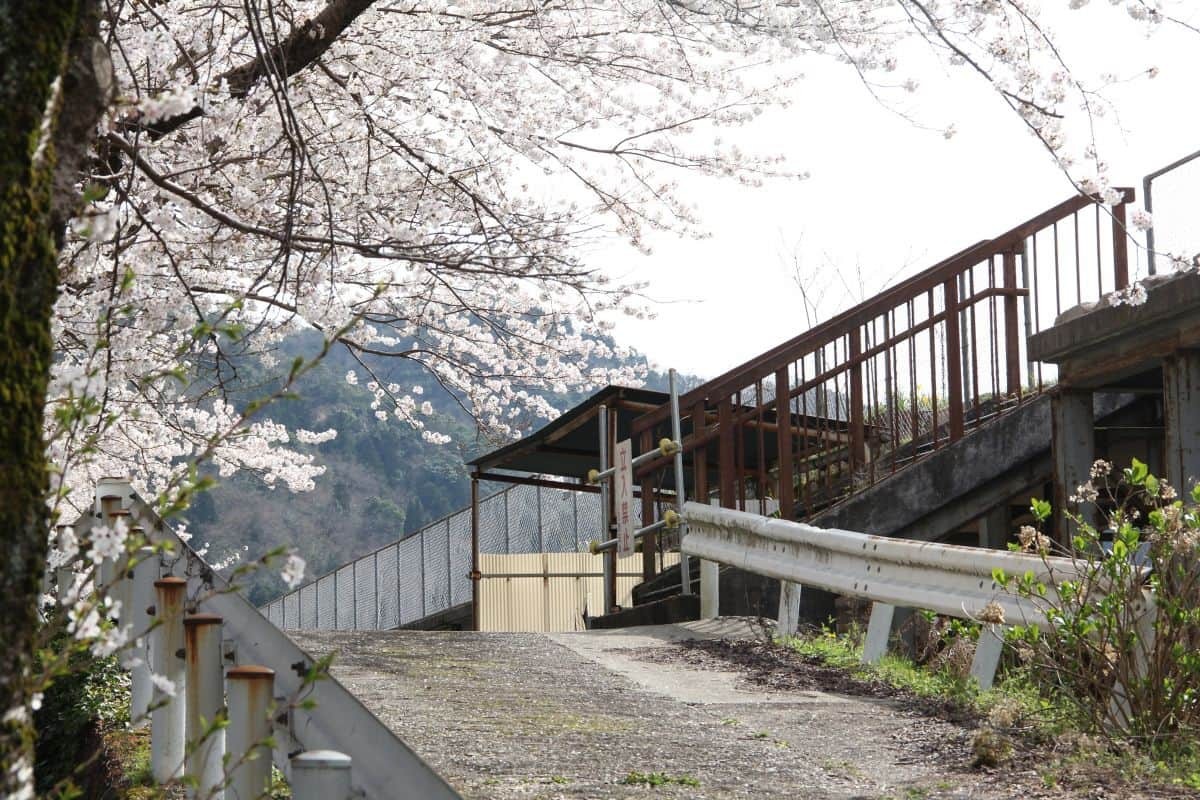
570, 445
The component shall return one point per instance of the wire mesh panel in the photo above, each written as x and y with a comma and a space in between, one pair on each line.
437, 567
523, 533
429, 572
558, 520
493, 532
310, 612
460, 558
345, 598
326, 603
587, 507
387, 594
291, 611
365, 616
412, 593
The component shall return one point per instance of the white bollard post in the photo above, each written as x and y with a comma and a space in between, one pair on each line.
205, 704
321, 775
879, 631
141, 598
168, 721
109, 570
112, 500
788, 619
251, 690
710, 589
116, 490
64, 576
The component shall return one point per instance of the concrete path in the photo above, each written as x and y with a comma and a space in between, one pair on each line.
579, 715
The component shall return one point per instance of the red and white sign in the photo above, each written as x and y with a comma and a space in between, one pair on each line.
623, 497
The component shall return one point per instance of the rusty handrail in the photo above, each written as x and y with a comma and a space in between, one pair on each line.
902, 373
762, 366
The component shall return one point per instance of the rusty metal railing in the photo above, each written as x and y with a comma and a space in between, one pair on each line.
884, 384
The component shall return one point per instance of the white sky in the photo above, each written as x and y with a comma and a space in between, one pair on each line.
895, 199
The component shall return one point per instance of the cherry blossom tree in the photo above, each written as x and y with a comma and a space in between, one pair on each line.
414, 179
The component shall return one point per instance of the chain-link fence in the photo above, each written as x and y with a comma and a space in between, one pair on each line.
428, 572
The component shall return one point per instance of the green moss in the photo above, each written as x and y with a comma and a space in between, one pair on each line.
656, 779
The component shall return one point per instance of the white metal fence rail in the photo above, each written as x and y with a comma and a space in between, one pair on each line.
383, 765
948, 579
428, 572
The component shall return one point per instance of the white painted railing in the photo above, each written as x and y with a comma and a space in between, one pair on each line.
383, 766
948, 579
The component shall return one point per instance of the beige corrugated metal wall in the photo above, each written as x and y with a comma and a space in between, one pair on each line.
550, 591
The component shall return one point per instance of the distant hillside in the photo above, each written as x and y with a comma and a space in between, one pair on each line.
382, 479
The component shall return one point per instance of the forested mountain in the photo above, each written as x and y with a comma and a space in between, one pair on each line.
383, 479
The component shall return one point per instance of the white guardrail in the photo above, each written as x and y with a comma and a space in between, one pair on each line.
948, 579
383, 766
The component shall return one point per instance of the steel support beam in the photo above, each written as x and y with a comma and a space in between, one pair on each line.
1073, 441
1181, 412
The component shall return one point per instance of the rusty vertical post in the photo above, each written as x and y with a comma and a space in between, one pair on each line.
476, 575
954, 384
783, 436
168, 721
608, 559
205, 704
650, 540
1012, 331
611, 555
858, 439
251, 692
685, 568
725, 457
1120, 244
699, 455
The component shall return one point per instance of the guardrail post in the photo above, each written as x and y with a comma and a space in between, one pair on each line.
879, 631
141, 597
987, 655
710, 589
1147, 613
205, 703
321, 775
788, 619
251, 690
168, 720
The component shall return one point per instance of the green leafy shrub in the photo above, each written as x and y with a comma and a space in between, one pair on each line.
1122, 639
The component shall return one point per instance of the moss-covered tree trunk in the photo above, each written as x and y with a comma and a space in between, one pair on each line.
39, 42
